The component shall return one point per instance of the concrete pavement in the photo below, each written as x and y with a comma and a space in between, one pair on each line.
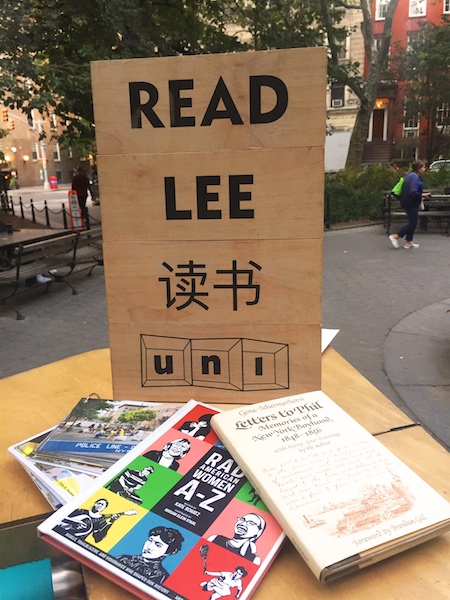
390, 305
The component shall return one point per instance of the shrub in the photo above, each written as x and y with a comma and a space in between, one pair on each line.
359, 194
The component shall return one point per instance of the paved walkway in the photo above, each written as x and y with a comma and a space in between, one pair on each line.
390, 305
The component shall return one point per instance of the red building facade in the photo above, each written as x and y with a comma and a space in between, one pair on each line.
389, 138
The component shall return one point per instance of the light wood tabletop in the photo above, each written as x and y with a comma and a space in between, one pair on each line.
38, 399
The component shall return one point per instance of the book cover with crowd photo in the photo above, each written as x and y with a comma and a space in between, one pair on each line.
175, 518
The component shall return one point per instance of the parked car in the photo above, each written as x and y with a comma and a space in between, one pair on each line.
439, 164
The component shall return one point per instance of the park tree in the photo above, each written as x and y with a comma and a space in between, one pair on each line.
47, 46
291, 23
134, 416
351, 75
425, 70
87, 409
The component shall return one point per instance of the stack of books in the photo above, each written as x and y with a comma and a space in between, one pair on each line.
204, 501
64, 460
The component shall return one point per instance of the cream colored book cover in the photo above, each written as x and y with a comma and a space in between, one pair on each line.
344, 500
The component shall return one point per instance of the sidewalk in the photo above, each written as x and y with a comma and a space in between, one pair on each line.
390, 306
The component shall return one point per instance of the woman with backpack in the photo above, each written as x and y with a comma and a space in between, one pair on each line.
410, 199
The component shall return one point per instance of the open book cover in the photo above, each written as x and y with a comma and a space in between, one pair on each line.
343, 499
174, 518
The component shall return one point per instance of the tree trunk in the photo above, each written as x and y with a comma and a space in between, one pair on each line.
374, 65
358, 138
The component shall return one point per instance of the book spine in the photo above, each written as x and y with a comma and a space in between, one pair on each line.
276, 510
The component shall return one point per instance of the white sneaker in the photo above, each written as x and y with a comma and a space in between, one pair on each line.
394, 241
411, 245
43, 279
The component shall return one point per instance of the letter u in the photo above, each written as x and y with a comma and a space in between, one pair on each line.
167, 369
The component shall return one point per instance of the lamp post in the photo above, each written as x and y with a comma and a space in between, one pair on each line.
43, 156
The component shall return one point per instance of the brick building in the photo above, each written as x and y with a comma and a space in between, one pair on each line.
31, 159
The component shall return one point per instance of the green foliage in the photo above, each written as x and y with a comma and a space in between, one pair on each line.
356, 195
134, 416
47, 47
425, 67
437, 180
89, 409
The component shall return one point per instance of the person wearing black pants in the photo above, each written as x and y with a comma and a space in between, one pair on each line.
410, 199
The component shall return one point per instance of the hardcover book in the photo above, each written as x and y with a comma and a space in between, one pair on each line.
174, 518
343, 499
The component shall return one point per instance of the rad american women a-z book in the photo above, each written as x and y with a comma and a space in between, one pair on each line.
174, 518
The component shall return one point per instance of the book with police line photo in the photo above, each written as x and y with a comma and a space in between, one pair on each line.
174, 518
97, 431
343, 499
64, 460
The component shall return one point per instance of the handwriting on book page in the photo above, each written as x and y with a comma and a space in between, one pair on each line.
323, 484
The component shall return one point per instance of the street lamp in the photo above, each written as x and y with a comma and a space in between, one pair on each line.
43, 156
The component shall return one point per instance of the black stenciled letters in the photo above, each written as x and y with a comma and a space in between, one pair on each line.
231, 112
236, 197
177, 103
172, 214
137, 107
280, 89
144, 97
205, 197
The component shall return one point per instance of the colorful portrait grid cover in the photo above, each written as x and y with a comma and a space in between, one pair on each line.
180, 520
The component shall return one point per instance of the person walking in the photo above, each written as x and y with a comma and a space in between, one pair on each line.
410, 200
82, 185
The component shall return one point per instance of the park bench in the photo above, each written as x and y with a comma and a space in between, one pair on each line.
436, 213
88, 252
45, 262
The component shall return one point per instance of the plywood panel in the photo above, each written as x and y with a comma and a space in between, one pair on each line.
301, 70
281, 190
259, 282
213, 362
211, 182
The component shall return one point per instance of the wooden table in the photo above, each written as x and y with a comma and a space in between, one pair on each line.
38, 399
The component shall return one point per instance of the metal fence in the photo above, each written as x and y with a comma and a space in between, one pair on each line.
56, 219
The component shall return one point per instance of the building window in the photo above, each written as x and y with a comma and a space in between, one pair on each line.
417, 8
412, 37
446, 6
34, 151
409, 153
411, 126
53, 122
337, 95
380, 9
56, 153
443, 116
70, 152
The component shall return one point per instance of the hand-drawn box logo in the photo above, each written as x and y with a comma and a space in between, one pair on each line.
225, 363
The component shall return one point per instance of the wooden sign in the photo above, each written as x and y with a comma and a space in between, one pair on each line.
211, 175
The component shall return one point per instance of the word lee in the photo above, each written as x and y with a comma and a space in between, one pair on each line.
204, 197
